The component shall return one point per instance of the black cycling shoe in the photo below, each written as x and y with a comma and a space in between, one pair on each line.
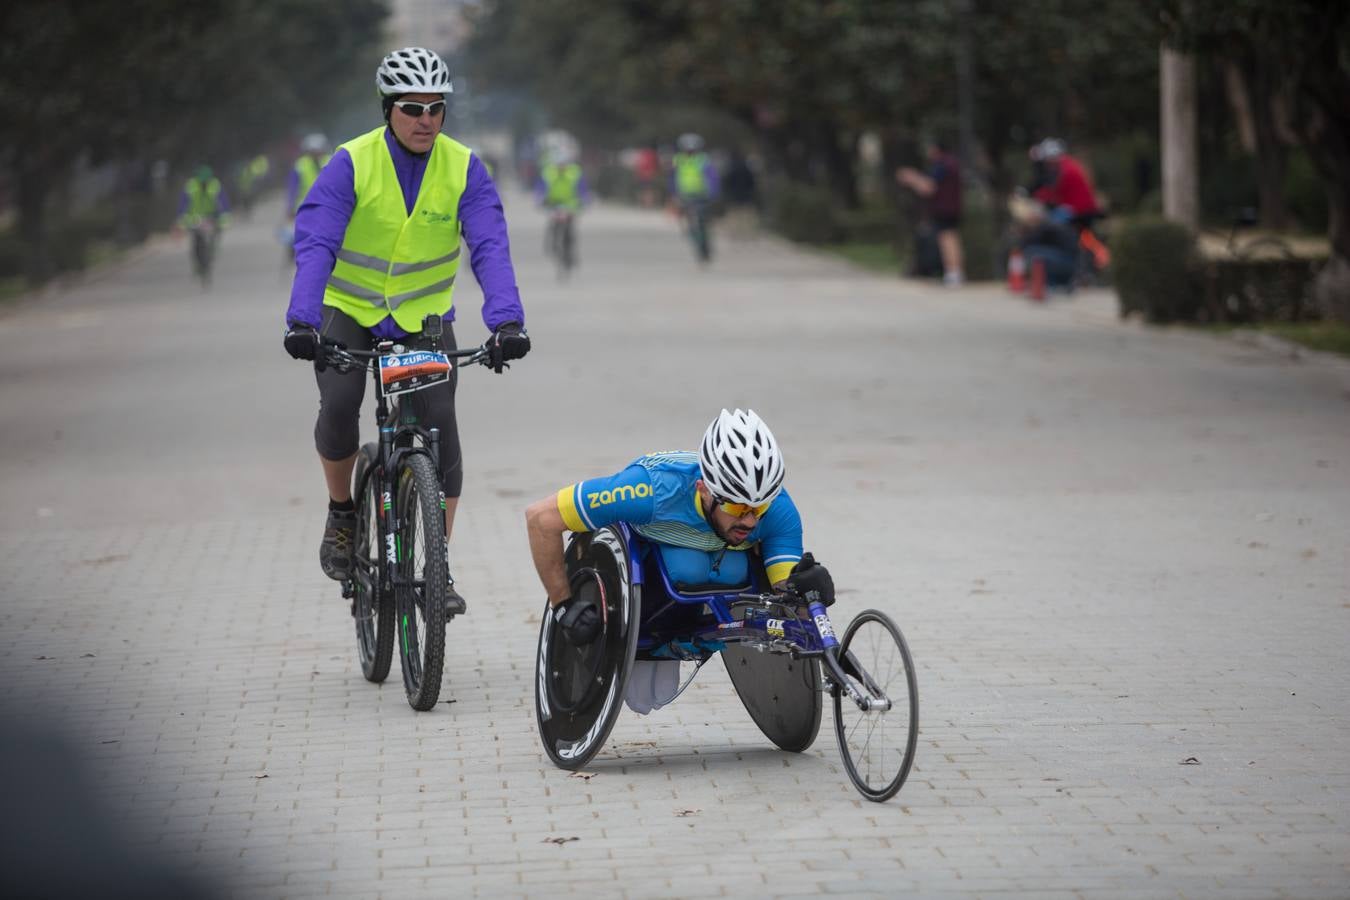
339, 542
454, 603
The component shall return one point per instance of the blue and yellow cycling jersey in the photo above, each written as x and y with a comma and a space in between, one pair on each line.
655, 495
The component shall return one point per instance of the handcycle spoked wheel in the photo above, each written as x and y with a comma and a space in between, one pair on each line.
372, 606
579, 690
420, 548
877, 745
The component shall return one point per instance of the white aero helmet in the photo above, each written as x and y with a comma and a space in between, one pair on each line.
413, 70
740, 460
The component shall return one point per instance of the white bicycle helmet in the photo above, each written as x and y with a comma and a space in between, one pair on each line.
413, 70
689, 142
314, 143
740, 460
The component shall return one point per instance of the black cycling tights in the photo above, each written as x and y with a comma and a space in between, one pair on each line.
337, 433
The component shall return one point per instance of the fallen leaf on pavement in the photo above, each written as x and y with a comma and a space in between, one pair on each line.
584, 776
559, 840
687, 812
1190, 761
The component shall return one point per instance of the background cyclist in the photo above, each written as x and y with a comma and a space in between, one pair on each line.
377, 246
203, 210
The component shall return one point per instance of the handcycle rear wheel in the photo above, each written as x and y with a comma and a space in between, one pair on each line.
579, 691
877, 746
372, 606
420, 547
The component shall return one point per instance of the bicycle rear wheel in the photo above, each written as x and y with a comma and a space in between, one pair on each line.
877, 745
420, 547
372, 605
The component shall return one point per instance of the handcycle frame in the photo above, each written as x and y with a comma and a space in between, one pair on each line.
399, 439
580, 689
780, 629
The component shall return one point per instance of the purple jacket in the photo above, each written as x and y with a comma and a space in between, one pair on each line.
321, 224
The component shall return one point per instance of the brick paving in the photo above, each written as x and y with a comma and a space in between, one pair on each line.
1112, 549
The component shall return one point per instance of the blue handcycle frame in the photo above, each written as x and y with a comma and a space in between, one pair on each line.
769, 620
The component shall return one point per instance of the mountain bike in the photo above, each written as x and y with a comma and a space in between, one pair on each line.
205, 234
780, 651
400, 569
562, 239
696, 214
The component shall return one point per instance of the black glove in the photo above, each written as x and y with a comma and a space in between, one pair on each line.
579, 620
811, 581
302, 342
508, 342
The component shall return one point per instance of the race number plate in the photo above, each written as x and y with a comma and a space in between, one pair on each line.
401, 373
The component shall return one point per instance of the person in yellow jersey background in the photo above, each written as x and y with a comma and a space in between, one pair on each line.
377, 251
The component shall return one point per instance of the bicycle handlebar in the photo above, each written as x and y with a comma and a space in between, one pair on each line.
344, 360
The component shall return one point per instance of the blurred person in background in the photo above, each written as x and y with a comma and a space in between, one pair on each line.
694, 187
1048, 238
251, 182
740, 192
1064, 182
561, 191
377, 250
203, 212
940, 188
647, 171
313, 157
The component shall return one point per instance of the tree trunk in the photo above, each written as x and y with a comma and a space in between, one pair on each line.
1331, 289
1271, 154
1181, 192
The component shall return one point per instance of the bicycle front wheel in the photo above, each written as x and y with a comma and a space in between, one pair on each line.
372, 604
421, 588
877, 745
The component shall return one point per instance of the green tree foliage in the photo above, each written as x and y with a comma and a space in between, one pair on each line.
809, 76
151, 79
1301, 50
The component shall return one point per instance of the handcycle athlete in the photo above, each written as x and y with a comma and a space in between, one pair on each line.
682, 556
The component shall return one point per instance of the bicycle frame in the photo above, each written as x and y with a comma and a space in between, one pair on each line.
768, 621
398, 440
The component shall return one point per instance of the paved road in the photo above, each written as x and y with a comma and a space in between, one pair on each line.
1112, 550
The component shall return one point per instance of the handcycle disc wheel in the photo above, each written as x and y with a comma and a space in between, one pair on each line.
420, 549
579, 690
781, 693
372, 607
878, 745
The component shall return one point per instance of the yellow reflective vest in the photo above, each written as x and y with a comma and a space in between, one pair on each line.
306, 173
392, 262
690, 179
560, 184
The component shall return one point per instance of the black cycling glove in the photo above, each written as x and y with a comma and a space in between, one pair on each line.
579, 620
508, 342
302, 342
811, 581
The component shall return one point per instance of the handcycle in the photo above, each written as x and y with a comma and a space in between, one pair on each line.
399, 580
781, 654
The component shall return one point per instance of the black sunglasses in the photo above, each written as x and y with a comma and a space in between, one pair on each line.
413, 109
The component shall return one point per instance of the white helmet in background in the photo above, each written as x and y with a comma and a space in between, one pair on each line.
1050, 148
314, 143
689, 142
740, 460
413, 70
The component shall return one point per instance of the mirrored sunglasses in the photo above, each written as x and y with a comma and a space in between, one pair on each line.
413, 109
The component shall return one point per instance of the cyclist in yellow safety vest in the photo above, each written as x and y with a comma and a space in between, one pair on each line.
377, 251
313, 157
562, 185
203, 200
693, 177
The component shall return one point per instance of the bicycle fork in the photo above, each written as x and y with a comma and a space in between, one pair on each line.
875, 700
